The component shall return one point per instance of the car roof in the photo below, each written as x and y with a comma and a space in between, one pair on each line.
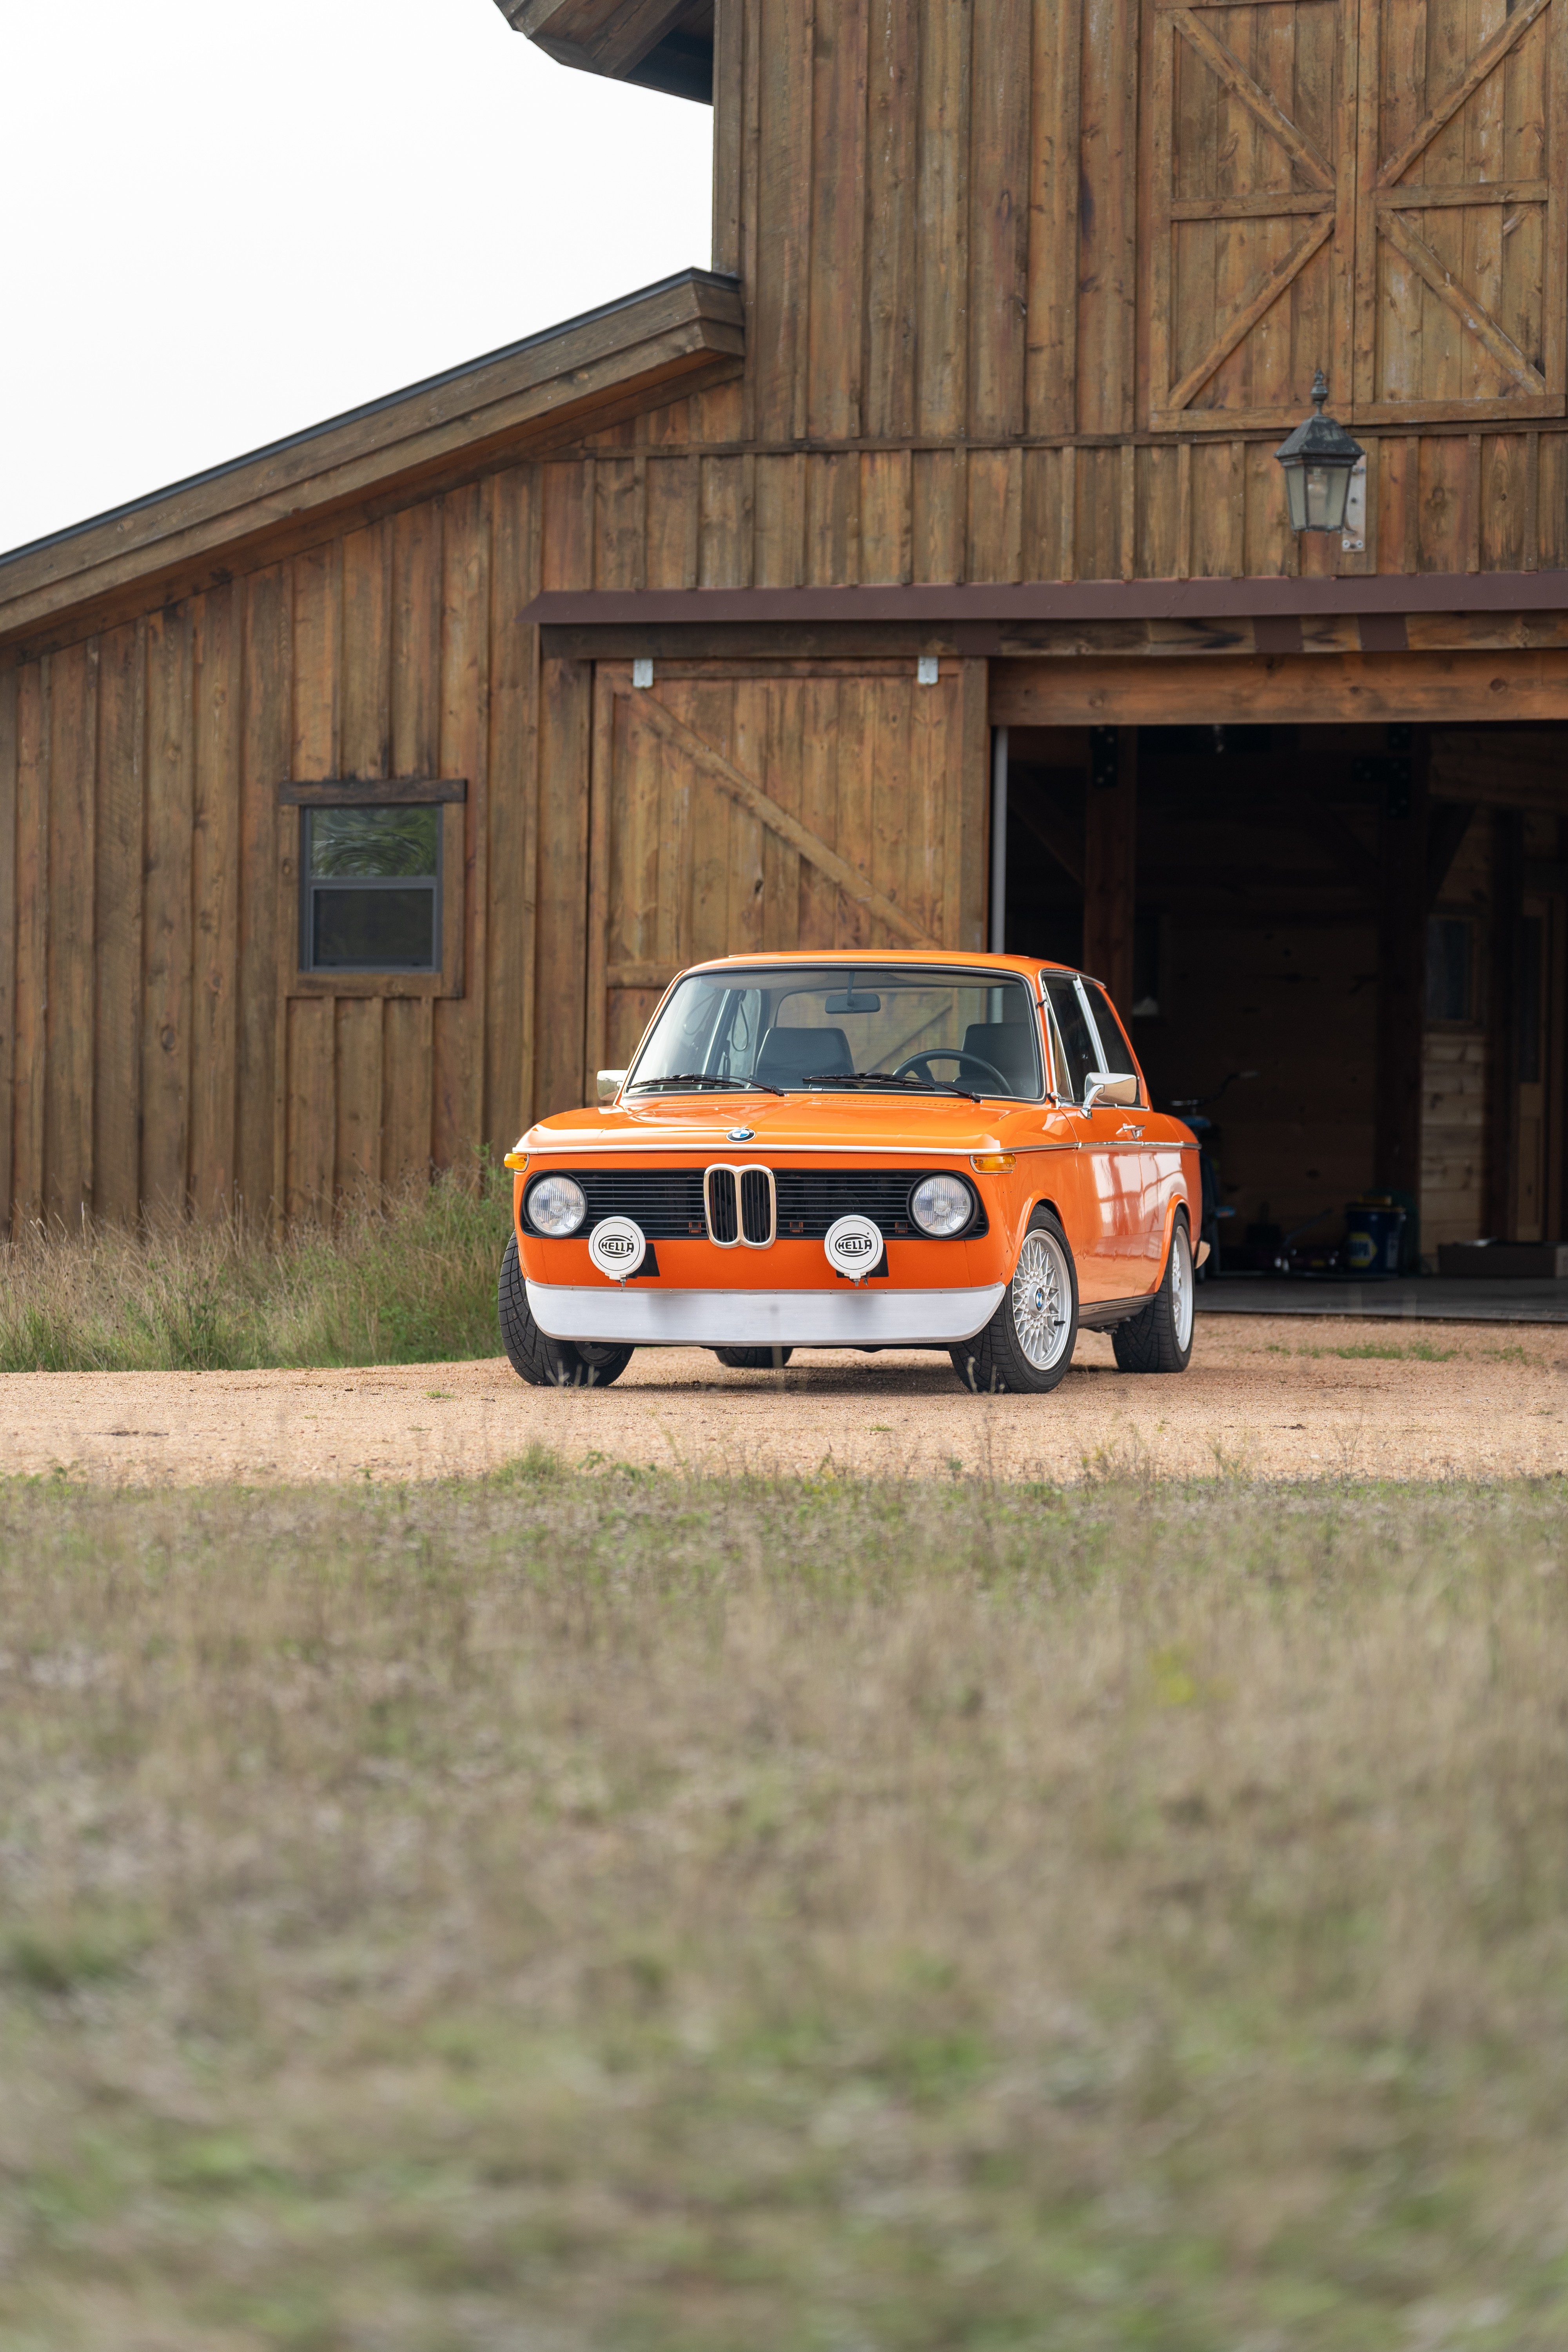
970, 959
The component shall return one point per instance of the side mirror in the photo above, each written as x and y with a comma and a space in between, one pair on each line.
610, 1084
1110, 1086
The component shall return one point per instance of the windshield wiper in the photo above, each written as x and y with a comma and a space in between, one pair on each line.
702, 1079
886, 1078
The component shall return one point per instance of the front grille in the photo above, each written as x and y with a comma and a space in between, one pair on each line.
667, 1202
812, 1198
724, 1212
756, 1207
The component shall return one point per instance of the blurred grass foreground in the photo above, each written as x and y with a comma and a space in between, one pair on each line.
592, 1911
408, 1279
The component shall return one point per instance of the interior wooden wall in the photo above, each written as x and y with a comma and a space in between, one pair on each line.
1455, 1068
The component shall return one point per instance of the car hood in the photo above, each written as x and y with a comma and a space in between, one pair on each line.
836, 1122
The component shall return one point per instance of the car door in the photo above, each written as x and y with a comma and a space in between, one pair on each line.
1110, 1250
1129, 1138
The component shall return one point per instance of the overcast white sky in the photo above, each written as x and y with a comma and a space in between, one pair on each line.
224, 223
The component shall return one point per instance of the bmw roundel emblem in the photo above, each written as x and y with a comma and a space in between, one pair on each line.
739, 1135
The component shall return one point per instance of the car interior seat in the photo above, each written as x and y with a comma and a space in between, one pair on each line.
1009, 1047
805, 1054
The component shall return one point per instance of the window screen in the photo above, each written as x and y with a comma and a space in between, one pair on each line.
371, 889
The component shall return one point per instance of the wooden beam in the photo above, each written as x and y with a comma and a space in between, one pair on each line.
1401, 983
343, 792
1446, 824
1040, 812
1303, 688
1507, 862
1109, 874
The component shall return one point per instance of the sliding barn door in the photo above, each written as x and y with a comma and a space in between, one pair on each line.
1251, 161
1460, 276
732, 810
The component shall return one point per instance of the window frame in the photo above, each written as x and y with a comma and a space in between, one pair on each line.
296, 799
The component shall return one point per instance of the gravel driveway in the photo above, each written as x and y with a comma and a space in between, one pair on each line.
1274, 1398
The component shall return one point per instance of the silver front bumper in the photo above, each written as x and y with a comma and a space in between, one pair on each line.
865, 1316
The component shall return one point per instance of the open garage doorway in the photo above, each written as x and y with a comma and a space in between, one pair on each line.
1370, 920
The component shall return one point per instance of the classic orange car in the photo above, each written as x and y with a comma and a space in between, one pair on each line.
867, 1149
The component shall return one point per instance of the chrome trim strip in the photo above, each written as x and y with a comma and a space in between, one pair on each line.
719, 1168
921, 1154
848, 1316
738, 1171
756, 1168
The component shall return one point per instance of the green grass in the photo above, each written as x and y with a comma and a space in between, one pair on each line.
412, 1281
625, 1911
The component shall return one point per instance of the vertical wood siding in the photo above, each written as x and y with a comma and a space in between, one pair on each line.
152, 1055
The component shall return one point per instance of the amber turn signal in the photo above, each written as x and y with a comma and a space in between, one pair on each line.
993, 1163
515, 1160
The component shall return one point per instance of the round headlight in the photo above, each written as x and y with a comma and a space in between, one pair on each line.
941, 1205
557, 1205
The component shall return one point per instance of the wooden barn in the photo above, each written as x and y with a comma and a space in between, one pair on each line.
921, 571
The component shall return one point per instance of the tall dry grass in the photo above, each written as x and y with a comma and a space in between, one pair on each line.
567, 1912
410, 1279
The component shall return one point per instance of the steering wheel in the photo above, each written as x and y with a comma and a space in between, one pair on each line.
919, 1065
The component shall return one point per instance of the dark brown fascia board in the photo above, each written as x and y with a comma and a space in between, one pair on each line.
600, 37
646, 341
988, 610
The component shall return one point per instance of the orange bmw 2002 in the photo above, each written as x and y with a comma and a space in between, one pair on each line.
869, 1149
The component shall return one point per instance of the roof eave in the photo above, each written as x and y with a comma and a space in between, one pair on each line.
630, 354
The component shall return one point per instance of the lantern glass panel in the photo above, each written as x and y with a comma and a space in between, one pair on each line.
1326, 487
1296, 492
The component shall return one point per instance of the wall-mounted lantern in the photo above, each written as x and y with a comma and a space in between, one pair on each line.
1319, 458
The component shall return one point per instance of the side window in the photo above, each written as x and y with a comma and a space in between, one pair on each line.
1117, 1054
1072, 1035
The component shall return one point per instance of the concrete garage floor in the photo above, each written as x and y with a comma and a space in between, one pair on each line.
1420, 1298
1266, 1397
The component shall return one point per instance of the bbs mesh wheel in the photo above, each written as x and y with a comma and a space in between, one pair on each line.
755, 1359
544, 1362
1160, 1340
1027, 1344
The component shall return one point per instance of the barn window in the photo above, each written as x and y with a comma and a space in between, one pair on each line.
371, 888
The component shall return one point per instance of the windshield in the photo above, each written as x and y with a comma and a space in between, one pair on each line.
788, 1028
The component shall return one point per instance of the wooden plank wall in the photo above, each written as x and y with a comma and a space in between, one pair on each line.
934, 208
684, 498
150, 1054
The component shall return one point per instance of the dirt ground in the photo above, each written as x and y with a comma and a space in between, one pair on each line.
1284, 1398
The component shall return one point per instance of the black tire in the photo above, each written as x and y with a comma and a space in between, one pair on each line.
755, 1359
1160, 1340
1015, 1354
544, 1362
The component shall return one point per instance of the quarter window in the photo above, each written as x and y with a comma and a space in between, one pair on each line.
1116, 1051
1080, 1051
369, 889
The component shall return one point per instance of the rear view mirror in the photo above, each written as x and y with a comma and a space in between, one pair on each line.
610, 1084
1109, 1087
853, 1000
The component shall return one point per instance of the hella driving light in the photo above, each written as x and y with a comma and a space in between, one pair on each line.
941, 1206
557, 1206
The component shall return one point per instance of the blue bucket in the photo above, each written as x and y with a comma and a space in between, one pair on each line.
1374, 1233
